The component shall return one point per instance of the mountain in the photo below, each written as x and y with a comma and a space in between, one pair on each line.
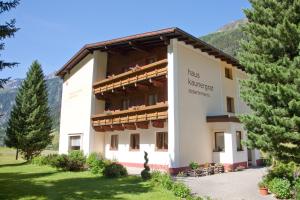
8, 95
227, 38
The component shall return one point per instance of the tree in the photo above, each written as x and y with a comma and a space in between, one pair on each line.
7, 30
271, 57
29, 126
145, 173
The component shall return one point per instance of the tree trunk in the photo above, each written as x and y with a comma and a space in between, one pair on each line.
17, 154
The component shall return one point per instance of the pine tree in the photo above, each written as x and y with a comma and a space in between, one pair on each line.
29, 126
271, 57
7, 30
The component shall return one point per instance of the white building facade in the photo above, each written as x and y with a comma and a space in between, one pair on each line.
163, 92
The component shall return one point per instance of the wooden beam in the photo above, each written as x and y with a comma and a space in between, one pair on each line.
165, 39
158, 123
142, 125
141, 87
138, 47
130, 126
156, 83
99, 129
107, 128
118, 127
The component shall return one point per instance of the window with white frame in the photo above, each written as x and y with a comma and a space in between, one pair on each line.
74, 142
239, 146
219, 142
162, 141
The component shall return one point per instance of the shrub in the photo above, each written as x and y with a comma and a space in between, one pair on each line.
146, 171
61, 162
194, 165
96, 163
283, 171
115, 170
76, 161
39, 160
162, 179
297, 190
280, 187
180, 190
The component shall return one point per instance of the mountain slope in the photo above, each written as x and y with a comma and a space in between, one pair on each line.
227, 38
8, 95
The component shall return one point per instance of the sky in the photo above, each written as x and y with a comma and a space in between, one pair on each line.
52, 31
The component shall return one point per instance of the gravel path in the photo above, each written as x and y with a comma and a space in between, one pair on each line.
240, 185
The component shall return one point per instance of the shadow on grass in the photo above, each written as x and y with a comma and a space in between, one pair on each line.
19, 185
14, 164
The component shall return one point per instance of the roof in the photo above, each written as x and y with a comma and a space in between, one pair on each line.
148, 39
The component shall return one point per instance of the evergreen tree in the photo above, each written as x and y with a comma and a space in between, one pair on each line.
29, 126
271, 57
7, 30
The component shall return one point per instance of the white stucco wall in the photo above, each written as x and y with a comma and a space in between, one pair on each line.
76, 104
147, 143
79, 103
197, 89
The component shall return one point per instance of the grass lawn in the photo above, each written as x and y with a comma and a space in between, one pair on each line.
19, 180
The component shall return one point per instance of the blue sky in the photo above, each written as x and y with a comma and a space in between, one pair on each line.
54, 30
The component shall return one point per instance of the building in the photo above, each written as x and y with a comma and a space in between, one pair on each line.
164, 92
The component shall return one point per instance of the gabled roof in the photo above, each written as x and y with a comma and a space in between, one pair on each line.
160, 37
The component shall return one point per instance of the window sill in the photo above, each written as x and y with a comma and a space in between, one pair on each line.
161, 150
218, 151
134, 150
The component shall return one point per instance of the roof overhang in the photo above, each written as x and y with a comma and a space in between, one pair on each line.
155, 38
222, 118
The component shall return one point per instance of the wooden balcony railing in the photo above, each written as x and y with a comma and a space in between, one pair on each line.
138, 74
138, 116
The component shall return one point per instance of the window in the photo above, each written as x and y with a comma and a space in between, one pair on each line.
152, 99
219, 142
125, 104
162, 141
74, 142
114, 141
230, 104
135, 141
239, 146
228, 73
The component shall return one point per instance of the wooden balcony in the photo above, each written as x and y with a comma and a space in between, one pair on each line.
135, 117
134, 76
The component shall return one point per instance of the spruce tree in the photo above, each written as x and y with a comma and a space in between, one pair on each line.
7, 30
271, 57
29, 126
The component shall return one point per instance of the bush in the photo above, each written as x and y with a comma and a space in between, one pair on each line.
194, 165
297, 190
283, 171
180, 190
39, 160
76, 161
115, 170
96, 163
145, 174
280, 187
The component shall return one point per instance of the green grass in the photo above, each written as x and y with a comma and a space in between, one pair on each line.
19, 180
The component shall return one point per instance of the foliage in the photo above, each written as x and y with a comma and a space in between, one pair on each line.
26, 181
146, 171
280, 187
297, 190
29, 126
96, 163
8, 30
194, 165
74, 161
262, 184
180, 190
115, 170
283, 171
271, 58
181, 174
45, 160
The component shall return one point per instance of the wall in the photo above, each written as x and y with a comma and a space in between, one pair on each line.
79, 103
198, 89
136, 158
76, 104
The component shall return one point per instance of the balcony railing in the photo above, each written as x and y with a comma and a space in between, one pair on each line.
138, 74
132, 117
